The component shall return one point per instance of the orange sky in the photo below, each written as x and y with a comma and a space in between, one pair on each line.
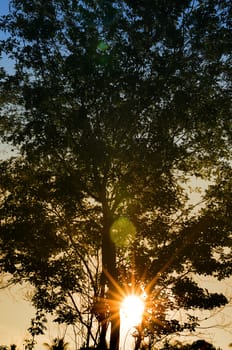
16, 313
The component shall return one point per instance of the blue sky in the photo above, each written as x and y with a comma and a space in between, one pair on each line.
4, 7
4, 60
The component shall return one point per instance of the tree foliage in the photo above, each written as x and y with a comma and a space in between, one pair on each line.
114, 105
57, 344
196, 345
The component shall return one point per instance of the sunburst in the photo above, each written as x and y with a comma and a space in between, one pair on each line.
149, 300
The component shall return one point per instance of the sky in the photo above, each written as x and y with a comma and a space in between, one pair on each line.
4, 6
15, 315
16, 311
4, 61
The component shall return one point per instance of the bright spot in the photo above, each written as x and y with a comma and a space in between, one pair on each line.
102, 46
122, 232
132, 309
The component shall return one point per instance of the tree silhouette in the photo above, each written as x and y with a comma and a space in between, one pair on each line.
196, 345
57, 344
114, 106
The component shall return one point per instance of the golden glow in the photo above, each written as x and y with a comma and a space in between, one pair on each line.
132, 309
122, 232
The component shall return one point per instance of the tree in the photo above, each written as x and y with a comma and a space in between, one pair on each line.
58, 344
196, 345
114, 105
11, 347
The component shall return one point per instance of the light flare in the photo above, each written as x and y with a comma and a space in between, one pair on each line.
132, 309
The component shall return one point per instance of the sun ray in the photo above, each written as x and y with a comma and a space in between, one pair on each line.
114, 283
154, 302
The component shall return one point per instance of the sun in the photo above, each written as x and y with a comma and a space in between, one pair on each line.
132, 309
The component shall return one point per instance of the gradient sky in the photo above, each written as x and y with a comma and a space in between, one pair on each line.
16, 312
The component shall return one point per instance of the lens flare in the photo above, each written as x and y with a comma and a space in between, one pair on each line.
132, 309
122, 232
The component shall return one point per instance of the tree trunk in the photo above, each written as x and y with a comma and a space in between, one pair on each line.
110, 278
138, 341
115, 332
102, 342
115, 308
